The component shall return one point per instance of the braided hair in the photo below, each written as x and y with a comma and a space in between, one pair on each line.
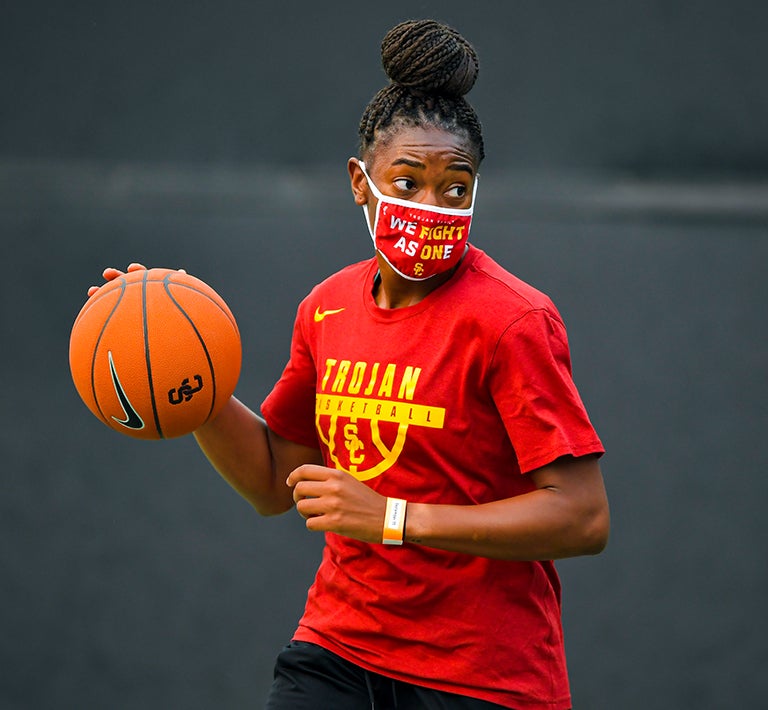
431, 67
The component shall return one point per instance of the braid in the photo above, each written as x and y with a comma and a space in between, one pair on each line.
431, 67
379, 111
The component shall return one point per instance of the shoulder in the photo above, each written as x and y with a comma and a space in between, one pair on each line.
497, 294
340, 288
353, 273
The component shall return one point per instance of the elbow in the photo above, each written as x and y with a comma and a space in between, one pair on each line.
269, 509
275, 499
595, 532
585, 532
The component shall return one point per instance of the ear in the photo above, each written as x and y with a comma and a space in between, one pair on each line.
358, 182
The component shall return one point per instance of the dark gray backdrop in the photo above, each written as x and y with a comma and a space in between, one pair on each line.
626, 177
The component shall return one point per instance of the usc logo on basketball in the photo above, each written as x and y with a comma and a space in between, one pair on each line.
363, 412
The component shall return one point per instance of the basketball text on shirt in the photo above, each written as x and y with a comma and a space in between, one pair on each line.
363, 411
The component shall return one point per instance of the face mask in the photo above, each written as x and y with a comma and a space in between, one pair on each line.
418, 241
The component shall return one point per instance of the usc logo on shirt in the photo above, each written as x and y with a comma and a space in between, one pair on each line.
363, 412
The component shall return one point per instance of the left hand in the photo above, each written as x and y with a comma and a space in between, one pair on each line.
334, 501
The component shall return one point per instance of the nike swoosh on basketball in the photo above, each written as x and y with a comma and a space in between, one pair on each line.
132, 419
319, 315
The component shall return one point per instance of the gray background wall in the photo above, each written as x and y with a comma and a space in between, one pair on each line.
626, 176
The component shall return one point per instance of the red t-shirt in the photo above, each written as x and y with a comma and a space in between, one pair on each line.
446, 401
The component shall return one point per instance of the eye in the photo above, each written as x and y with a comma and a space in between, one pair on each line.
456, 191
404, 184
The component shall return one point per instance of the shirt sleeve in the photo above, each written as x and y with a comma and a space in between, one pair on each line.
289, 408
532, 386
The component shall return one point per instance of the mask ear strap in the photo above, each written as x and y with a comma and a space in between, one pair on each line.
377, 195
474, 190
368, 223
375, 190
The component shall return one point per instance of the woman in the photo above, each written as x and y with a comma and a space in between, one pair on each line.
426, 422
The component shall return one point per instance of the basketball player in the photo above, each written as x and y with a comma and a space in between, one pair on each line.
427, 423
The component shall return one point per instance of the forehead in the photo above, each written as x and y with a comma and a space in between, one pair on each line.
426, 144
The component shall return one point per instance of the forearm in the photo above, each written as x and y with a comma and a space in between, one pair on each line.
565, 515
551, 522
237, 444
522, 528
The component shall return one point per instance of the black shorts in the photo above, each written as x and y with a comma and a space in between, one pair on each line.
308, 677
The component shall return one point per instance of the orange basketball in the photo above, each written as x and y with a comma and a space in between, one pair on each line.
154, 354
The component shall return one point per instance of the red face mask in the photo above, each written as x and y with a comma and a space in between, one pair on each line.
418, 241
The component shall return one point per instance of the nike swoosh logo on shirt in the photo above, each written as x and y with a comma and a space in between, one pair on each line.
319, 315
132, 419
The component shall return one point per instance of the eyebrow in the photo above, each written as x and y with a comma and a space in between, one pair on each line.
411, 163
462, 166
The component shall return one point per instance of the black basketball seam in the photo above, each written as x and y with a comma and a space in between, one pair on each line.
104, 292
146, 355
192, 287
165, 279
166, 286
96, 350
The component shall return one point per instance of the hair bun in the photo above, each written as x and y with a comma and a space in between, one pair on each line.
429, 56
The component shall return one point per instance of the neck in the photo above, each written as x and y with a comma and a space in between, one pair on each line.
393, 291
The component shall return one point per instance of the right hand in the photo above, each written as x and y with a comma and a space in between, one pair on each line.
111, 273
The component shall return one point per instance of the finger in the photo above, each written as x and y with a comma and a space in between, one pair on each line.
307, 489
310, 508
135, 266
308, 472
108, 274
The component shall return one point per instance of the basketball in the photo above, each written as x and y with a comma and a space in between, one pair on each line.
154, 354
